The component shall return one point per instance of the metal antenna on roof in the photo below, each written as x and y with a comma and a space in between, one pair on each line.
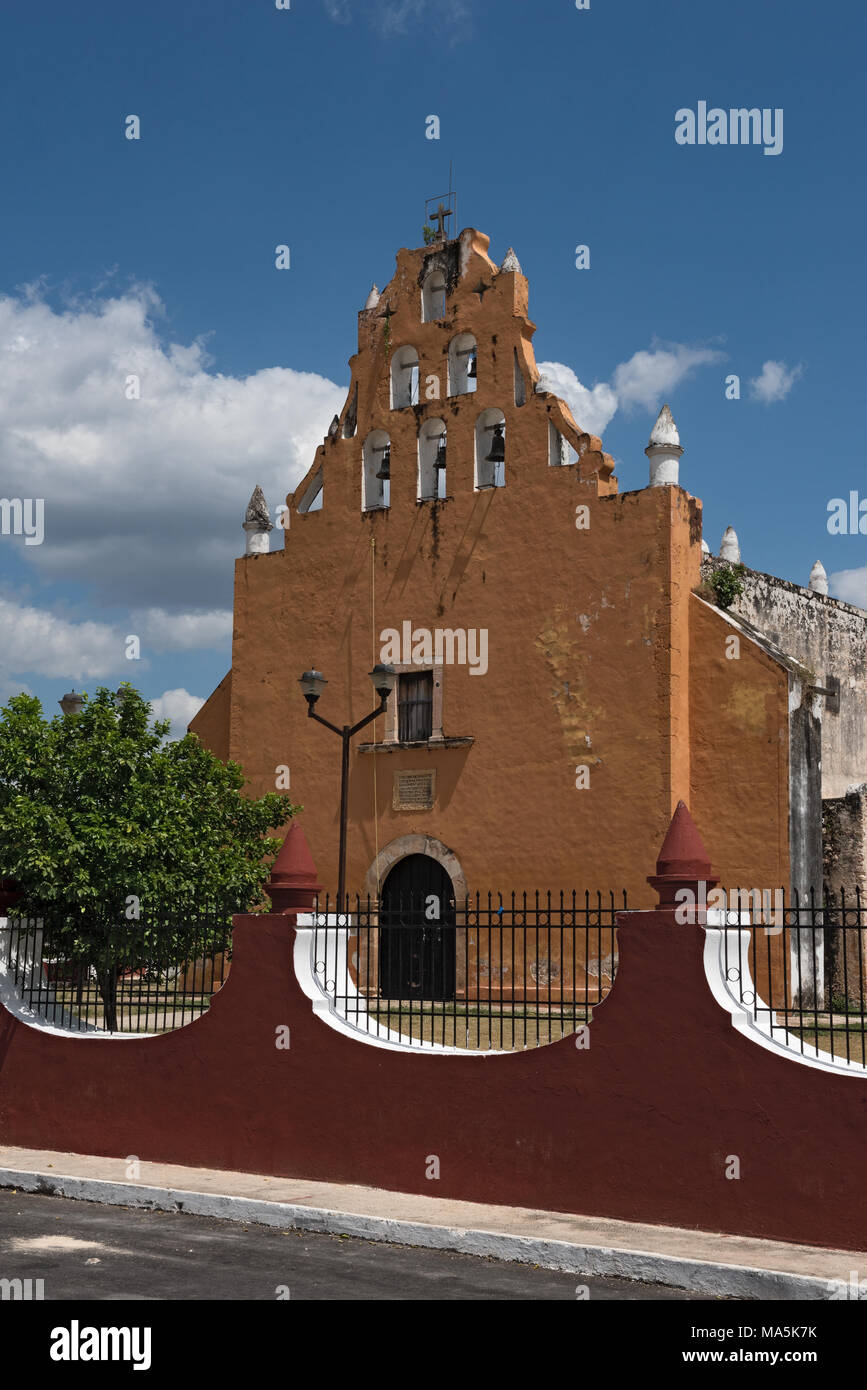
435, 221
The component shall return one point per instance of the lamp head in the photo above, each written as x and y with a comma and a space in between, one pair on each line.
383, 678
72, 703
312, 685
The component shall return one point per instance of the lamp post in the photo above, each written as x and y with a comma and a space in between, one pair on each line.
312, 684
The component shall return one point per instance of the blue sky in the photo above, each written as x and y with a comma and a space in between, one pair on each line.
262, 126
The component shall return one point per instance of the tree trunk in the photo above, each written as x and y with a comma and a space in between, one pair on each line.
108, 981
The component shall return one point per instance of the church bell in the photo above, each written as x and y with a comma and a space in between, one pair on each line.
498, 446
384, 470
440, 460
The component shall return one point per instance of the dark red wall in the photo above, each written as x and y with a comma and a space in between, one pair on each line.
637, 1127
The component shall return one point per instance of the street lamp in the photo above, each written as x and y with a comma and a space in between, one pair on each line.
312, 685
72, 703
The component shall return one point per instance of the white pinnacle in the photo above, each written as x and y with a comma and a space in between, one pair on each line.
705, 548
257, 524
818, 578
665, 430
511, 264
730, 548
664, 451
373, 298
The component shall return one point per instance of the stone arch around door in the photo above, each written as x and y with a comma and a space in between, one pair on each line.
415, 844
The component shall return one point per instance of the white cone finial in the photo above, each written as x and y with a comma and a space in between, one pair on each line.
511, 263
664, 451
730, 548
373, 298
818, 578
257, 523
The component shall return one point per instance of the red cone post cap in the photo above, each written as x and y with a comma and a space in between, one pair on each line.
292, 886
683, 862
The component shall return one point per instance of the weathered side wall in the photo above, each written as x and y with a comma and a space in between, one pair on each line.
830, 638
641, 1126
212, 721
739, 719
806, 732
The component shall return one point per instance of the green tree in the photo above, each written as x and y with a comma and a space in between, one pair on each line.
103, 822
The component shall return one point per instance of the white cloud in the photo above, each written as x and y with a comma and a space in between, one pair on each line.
391, 17
775, 381
850, 586
649, 376
144, 499
592, 406
179, 706
181, 632
8, 688
40, 642
48, 644
645, 380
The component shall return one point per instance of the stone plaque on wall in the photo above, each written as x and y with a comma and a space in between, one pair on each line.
414, 791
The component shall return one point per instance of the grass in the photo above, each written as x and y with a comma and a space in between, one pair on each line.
474, 1028
156, 1013
838, 1044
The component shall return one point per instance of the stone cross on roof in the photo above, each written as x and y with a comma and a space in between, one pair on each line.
440, 218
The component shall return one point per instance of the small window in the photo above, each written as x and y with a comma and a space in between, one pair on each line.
463, 365
433, 297
520, 388
376, 471
415, 707
432, 461
404, 378
351, 420
556, 447
312, 499
491, 449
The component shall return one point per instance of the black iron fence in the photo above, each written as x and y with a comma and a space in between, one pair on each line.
798, 965
501, 974
149, 975
488, 974
484, 974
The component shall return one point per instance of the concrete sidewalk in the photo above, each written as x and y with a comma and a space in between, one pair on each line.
733, 1266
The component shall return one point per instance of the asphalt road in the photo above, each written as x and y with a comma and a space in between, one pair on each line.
83, 1250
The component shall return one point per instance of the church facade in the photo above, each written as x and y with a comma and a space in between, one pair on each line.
563, 676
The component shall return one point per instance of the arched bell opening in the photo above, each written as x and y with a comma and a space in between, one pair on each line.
491, 449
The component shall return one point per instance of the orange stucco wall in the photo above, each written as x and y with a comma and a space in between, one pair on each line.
590, 657
740, 754
212, 721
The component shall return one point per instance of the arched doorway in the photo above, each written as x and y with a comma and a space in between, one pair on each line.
417, 936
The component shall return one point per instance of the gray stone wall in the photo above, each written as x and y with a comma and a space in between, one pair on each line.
806, 729
845, 840
830, 639
845, 843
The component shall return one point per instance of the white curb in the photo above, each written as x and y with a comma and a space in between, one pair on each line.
697, 1276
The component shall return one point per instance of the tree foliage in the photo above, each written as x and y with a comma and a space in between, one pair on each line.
97, 809
727, 584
